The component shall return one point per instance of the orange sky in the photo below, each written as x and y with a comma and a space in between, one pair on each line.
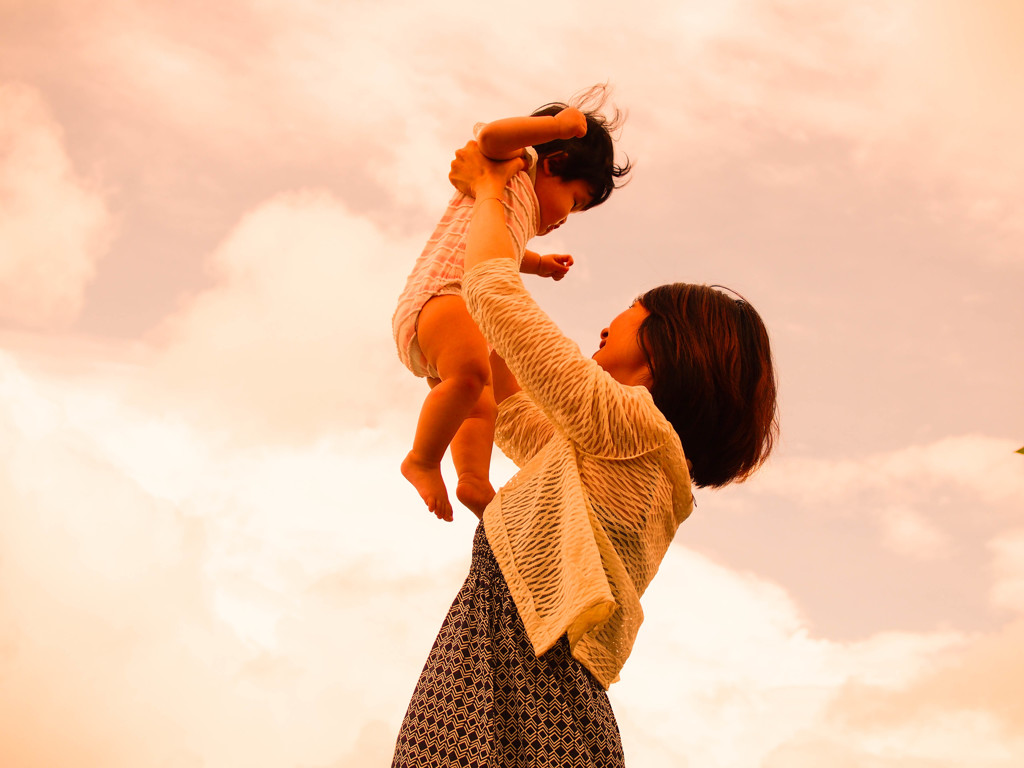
207, 554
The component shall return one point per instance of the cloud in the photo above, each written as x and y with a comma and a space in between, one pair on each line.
975, 464
898, 488
843, 751
1008, 570
964, 709
207, 595
871, 98
878, 82
294, 338
210, 558
895, 538
723, 655
272, 604
199, 119
106, 589
54, 225
725, 673
909, 533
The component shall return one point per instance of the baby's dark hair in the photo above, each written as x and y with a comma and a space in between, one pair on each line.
590, 157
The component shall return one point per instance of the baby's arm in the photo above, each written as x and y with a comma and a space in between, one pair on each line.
553, 265
505, 139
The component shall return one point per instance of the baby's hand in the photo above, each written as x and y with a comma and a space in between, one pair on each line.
554, 265
572, 123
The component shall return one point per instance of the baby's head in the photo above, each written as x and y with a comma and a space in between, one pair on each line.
589, 161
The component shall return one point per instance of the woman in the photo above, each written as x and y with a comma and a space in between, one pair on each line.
518, 674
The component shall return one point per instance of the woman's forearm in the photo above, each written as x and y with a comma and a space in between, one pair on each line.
488, 236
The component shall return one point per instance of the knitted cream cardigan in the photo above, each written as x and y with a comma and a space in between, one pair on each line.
580, 530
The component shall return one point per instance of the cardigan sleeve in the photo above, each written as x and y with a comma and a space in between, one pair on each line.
521, 429
603, 417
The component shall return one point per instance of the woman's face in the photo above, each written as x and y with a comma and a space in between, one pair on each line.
620, 353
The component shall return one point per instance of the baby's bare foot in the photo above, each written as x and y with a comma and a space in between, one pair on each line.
427, 480
475, 493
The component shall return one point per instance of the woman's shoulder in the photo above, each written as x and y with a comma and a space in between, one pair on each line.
625, 417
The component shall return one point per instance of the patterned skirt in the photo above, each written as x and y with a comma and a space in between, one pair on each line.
485, 700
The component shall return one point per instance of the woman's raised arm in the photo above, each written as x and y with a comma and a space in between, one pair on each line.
605, 417
476, 176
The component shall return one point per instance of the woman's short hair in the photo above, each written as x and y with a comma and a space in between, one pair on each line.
713, 378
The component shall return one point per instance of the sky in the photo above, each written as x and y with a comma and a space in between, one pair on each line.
208, 557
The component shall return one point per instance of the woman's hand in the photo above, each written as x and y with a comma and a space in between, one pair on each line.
474, 175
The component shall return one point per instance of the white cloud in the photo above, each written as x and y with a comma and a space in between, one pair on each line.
226, 605
294, 339
1008, 571
273, 605
54, 226
723, 655
962, 709
332, 86
976, 464
907, 532
906, 491
952, 741
219, 523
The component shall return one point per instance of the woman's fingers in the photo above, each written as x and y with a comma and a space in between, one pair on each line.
464, 170
473, 174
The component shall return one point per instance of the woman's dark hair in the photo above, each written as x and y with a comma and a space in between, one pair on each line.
590, 157
713, 378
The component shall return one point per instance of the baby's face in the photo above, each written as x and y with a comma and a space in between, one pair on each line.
558, 198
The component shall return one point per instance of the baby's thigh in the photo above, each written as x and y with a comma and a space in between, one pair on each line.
450, 339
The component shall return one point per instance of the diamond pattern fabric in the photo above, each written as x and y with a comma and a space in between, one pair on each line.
485, 700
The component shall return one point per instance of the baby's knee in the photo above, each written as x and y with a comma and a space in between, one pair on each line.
473, 376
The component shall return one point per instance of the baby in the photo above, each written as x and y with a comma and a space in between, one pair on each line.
569, 167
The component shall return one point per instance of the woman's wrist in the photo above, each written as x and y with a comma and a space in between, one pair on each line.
489, 188
496, 198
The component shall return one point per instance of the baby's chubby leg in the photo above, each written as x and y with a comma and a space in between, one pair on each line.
455, 348
471, 452
424, 472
